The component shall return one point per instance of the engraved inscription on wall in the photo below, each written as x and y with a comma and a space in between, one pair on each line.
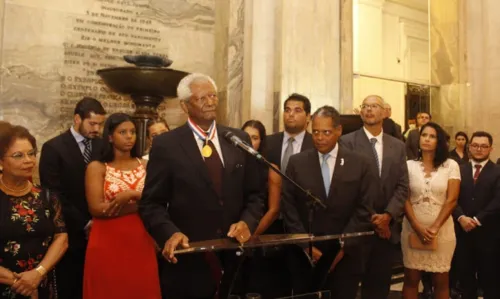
52, 49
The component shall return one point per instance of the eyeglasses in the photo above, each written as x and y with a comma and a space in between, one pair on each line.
371, 106
19, 155
477, 146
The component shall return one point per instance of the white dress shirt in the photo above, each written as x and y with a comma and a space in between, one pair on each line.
379, 146
331, 160
214, 140
297, 143
79, 139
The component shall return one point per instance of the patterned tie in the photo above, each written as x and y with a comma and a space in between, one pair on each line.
373, 141
325, 172
478, 171
87, 152
287, 154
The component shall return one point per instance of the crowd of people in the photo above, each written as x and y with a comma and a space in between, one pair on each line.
105, 222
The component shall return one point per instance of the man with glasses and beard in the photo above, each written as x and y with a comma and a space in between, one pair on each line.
63, 162
478, 213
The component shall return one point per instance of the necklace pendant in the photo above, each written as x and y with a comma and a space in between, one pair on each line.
206, 151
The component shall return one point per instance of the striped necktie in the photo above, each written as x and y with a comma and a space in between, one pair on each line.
87, 152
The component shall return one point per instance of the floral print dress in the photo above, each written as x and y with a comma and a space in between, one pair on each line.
27, 226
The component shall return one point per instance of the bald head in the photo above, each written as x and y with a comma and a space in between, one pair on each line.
372, 110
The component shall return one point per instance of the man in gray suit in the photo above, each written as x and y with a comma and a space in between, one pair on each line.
388, 159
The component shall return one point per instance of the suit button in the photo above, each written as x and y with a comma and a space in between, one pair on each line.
221, 203
219, 232
473, 198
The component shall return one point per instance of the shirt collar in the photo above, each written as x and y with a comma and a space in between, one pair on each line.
333, 153
78, 137
299, 137
474, 163
370, 136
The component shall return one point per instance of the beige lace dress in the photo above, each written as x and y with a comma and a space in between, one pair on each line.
427, 196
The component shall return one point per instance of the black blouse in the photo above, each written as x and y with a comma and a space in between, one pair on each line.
27, 226
454, 155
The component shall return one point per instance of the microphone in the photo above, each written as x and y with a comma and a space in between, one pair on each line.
236, 141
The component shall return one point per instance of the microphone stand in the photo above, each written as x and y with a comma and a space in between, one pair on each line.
314, 200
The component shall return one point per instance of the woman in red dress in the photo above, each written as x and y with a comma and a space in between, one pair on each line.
121, 256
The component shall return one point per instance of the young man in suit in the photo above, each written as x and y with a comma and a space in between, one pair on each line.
414, 135
348, 186
63, 162
478, 213
388, 159
295, 139
198, 187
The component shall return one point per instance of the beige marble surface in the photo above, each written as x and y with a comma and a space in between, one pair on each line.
346, 56
40, 39
228, 59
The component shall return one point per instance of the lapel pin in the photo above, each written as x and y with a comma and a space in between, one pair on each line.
341, 161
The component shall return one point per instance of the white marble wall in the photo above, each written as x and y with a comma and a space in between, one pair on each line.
35, 34
309, 51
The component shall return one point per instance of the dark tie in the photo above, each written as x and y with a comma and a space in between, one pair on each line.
87, 151
373, 141
287, 154
478, 171
214, 166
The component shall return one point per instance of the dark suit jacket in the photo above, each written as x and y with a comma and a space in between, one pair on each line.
393, 180
353, 189
412, 144
392, 128
481, 200
274, 146
62, 168
178, 177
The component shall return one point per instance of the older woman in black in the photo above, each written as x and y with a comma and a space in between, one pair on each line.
32, 231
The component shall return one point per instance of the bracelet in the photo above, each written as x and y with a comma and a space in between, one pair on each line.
40, 269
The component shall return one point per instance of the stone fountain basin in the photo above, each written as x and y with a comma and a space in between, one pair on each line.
142, 81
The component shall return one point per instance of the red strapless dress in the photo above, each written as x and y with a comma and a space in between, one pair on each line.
121, 256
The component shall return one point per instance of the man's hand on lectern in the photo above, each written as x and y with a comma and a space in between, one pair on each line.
176, 240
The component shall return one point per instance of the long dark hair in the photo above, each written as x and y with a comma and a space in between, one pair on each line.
113, 121
262, 131
442, 153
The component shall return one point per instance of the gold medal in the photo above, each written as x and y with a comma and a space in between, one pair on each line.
206, 151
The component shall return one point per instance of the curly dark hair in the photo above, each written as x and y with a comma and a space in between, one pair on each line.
262, 131
113, 121
442, 152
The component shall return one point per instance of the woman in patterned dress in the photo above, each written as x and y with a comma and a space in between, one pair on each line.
32, 231
121, 257
428, 236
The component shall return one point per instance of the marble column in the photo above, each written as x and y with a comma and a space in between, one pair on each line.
346, 56
309, 51
482, 64
447, 100
229, 49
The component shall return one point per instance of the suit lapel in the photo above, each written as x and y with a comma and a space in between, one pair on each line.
227, 152
387, 153
468, 175
317, 176
73, 148
489, 166
363, 145
307, 143
338, 171
188, 143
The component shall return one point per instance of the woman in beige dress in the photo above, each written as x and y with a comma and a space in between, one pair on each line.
428, 236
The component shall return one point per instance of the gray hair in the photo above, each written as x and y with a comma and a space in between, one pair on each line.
328, 111
184, 88
376, 96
